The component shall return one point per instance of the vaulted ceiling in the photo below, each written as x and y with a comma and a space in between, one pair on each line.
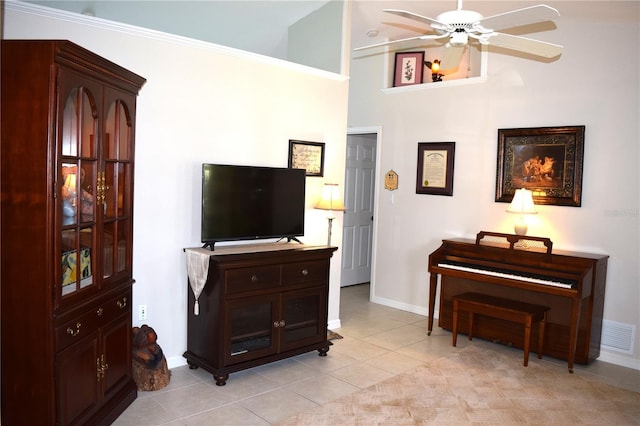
260, 26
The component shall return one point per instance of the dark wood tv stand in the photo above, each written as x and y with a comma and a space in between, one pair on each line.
260, 303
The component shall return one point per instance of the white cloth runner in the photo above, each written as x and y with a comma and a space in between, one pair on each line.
197, 270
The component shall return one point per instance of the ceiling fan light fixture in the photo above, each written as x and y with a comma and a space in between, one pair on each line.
459, 25
459, 38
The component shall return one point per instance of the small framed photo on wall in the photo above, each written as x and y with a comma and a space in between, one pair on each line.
308, 156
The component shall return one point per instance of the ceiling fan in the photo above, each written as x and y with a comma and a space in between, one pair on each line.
458, 26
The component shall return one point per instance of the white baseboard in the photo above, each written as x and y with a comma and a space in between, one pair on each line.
403, 306
176, 361
333, 324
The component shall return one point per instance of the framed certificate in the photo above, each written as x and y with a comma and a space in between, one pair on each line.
435, 168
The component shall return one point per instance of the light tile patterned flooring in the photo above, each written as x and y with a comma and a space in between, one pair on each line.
379, 342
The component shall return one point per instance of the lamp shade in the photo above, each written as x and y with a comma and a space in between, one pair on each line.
70, 182
330, 198
522, 202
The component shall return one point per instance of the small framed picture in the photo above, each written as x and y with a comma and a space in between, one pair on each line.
409, 68
435, 168
308, 156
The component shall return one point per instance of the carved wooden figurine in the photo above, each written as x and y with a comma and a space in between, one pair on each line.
150, 370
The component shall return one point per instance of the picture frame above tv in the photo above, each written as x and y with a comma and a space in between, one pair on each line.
308, 156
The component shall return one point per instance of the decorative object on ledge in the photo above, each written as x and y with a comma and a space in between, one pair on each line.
435, 70
308, 156
435, 168
545, 160
330, 200
522, 205
408, 68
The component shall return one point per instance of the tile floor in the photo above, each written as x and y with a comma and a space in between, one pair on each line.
379, 342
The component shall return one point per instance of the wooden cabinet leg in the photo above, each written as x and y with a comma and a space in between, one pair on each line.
323, 351
221, 379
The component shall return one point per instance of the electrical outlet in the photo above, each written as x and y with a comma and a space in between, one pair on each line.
142, 312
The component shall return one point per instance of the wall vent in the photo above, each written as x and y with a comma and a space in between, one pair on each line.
617, 336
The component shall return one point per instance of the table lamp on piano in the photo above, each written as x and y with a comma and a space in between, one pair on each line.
522, 204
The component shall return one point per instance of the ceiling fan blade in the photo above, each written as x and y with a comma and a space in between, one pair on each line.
415, 16
515, 18
451, 58
421, 37
523, 44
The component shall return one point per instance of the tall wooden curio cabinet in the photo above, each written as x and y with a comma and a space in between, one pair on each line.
67, 153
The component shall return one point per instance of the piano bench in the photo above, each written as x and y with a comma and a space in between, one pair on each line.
505, 309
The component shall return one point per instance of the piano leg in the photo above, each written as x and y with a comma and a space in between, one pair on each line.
433, 287
573, 333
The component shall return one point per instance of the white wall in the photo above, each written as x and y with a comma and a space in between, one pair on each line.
316, 39
201, 103
594, 83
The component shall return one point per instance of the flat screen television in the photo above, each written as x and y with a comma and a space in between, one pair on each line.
247, 202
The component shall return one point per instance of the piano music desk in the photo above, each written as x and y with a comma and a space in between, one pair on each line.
505, 309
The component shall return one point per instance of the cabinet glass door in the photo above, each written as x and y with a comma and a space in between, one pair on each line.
76, 187
117, 181
251, 328
301, 312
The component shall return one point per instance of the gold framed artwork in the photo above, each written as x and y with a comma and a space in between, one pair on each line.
545, 160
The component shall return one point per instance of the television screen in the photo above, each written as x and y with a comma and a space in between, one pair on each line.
246, 202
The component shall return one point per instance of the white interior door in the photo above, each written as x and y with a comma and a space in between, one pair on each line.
359, 201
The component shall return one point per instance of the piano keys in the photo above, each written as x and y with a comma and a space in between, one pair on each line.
571, 284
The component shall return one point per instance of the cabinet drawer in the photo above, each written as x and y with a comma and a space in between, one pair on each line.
74, 330
305, 272
254, 278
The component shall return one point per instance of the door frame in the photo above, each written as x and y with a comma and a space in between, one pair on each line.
377, 130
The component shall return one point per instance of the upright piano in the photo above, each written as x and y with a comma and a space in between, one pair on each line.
526, 269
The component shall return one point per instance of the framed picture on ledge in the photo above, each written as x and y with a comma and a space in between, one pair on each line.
409, 68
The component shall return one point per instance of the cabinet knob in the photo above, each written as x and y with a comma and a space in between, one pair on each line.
99, 312
276, 324
122, 303
75, 332
254, 278
305, 272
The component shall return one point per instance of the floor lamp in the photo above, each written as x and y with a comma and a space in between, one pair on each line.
331, 201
